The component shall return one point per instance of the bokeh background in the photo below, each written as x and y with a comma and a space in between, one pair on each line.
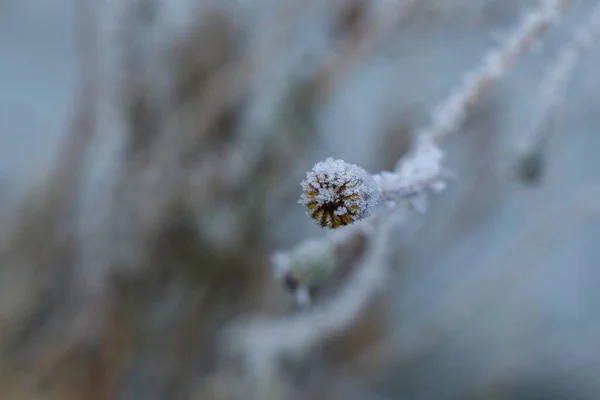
151, 154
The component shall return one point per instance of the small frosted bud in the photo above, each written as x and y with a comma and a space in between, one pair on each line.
314, 262
336, 193
530, 168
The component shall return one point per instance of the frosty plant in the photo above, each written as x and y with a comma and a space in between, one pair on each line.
336, 193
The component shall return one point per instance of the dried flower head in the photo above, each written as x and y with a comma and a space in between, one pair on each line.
336, 193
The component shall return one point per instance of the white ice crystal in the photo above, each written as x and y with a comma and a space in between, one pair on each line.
415, 175
336, 193
423, 165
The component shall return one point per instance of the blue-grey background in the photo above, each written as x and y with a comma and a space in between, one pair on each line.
500, 283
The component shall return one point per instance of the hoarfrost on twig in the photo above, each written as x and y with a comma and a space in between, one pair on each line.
265, 340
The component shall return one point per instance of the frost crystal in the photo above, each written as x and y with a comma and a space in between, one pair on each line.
336, 193
414, 177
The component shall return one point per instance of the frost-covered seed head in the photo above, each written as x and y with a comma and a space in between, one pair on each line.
336, 193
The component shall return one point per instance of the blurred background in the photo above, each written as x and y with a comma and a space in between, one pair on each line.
151, 155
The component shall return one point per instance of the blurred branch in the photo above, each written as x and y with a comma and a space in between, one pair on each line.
364, 38
232, 81
450, 113
264, 340
550, 95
